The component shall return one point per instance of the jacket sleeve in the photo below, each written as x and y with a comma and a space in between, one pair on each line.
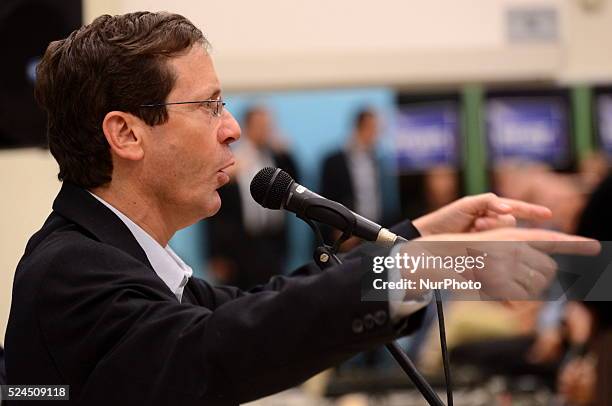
2, 370
99, 310
335, 181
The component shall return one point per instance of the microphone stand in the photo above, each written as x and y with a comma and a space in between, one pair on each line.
325, 257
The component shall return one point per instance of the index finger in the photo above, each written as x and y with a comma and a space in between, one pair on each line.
553, 242
520, 209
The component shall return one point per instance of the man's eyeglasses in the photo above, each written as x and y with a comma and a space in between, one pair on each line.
215, 106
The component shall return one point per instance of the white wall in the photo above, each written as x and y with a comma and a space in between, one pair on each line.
289, 44
411, 43
28, 184
587, 55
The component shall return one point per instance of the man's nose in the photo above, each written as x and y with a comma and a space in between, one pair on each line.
230, 129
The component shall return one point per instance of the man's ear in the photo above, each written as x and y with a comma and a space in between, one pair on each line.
124, 133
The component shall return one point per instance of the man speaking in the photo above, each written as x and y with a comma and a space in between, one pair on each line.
137, 124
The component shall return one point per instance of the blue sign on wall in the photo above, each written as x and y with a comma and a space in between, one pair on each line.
604, 114
530, 129
427, 135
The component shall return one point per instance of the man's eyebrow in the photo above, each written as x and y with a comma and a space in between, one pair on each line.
211, 94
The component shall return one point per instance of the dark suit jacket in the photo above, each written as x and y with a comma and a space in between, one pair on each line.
89, 311
596, 222
336, 181
255, 257
2, 370
336, 185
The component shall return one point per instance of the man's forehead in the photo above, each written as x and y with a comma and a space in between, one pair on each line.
195, 75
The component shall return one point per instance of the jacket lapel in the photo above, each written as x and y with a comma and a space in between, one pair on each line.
79, 206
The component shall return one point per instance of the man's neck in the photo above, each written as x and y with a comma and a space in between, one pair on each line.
358, 145
140, 208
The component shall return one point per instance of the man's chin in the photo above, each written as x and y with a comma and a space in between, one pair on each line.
213, 205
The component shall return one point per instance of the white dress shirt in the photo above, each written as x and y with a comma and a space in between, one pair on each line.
364, 178
398, 307
251, 160
167, 265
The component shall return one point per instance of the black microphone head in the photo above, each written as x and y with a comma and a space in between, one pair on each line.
269, 187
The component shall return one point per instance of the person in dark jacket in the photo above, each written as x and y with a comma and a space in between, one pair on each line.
596, 222
355, 176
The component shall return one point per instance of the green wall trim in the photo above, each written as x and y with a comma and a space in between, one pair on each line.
582, 100
474, 141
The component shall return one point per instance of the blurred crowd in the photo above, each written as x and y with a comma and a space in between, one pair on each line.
559, 345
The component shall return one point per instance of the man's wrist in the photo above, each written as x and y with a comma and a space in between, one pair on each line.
421, 225
407, 302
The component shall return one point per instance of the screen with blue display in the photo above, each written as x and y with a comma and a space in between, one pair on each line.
427, 135
529, 129
604, 115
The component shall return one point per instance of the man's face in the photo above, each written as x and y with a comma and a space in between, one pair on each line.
258, 130
368, 130
185, 158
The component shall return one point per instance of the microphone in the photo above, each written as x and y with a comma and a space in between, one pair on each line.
274, 189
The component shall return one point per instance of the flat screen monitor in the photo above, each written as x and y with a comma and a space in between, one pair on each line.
528, 128
427, 135
26, 29
603, 118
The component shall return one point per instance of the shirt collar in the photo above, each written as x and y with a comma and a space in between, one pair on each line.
170, 268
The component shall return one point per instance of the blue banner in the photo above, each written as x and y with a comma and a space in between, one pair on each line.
427, 135
604, 114
530, 129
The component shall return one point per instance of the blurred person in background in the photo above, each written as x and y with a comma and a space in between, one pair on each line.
577, 379
593, 169
523, 339
577, 334
537, 183
574, 338
585, 378
354, 175
261, 252
539, 343
442, 186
